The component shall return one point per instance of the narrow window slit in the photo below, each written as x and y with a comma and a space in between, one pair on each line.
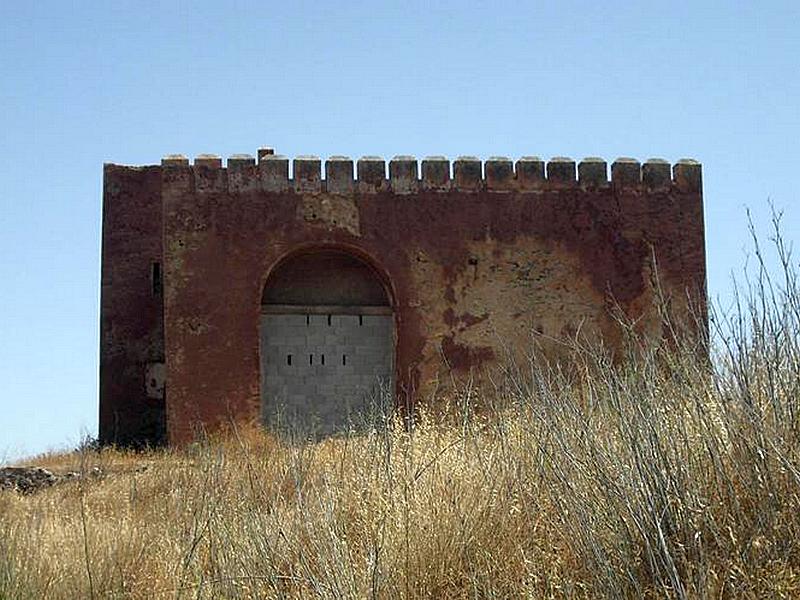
329, 320
308, 320
323, 359
311, 359
344, 360
155, 278
289, 359
360, 320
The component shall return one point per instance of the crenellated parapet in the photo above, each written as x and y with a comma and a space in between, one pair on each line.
270, 172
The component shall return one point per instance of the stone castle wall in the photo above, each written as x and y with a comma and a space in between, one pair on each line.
476, 257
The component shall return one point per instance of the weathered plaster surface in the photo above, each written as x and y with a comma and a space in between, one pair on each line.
472, 272
131, 326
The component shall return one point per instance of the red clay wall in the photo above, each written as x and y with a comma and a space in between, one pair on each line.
131, 314
475, 264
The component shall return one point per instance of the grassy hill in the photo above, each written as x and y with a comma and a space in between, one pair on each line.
665, 475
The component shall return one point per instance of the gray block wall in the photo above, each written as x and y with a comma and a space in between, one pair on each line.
324, 374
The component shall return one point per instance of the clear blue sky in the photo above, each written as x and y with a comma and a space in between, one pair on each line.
82, 83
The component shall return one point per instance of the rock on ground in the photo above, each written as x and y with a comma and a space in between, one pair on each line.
32, 479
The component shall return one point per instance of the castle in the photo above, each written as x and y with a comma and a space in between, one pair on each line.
241, 292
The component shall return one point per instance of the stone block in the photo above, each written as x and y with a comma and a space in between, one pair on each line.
626, 172
307, 174
264, 152
242, 173
467, 173
274, 173
688, 175
403, 174
656, 173
435, 173
174, 160
561, 170
371, 173
499, 174
530, 172
339, 175
592, 172
211, 161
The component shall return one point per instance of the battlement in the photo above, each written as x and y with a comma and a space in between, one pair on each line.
270, 172
272, 282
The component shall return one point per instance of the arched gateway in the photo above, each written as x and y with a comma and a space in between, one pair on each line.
327, 344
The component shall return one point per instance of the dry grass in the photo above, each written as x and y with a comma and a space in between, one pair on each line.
661, 477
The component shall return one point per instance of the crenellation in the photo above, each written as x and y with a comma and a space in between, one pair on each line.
307, 174
240, 160
211, 161
174, 160
209, 176
626, 172
177, 176
339, 175
561, 170
529, 172
407, 175
262, 152
656, 173
435, 173
242, 173
592, 172
273, 172
499, 174
688, 175
467, 173
371, 173
403, 174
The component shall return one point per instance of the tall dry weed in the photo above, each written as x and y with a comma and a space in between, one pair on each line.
672, 473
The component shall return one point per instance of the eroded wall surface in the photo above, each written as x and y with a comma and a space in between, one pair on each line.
476, 261
132, 368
